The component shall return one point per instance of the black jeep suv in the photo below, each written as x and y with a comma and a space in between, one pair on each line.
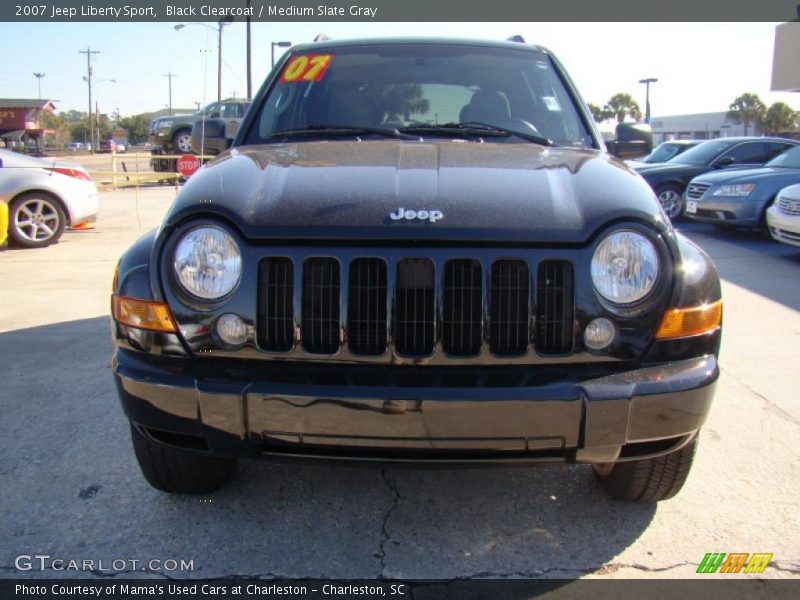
417, 251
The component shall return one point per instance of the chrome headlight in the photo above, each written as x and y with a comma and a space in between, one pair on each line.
738, 190
625, 267
208, 262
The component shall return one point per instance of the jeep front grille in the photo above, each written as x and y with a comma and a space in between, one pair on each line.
384, 308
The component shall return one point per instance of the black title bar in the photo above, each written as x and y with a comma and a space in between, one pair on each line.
397, 11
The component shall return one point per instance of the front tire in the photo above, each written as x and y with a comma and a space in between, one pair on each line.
178, 471
36, 220
671, 199
648, 480
182, 141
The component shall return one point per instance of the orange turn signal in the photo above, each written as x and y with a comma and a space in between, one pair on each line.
144, 314
685, 322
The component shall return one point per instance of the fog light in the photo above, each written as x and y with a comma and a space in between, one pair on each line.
232, 329
599, 334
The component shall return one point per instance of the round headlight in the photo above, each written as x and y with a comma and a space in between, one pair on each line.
208, 262
625, 267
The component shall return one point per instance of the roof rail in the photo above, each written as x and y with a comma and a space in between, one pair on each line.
321, 37
516, 38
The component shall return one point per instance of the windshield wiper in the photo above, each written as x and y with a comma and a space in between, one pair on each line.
336, 131
474, 128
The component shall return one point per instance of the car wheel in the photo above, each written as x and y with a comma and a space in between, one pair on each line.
35, 220
763, 226
671, 200
648, 480
178, 471
182, 140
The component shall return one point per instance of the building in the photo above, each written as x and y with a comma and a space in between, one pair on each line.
20, 121
702, 126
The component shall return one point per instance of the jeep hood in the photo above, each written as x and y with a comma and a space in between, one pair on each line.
486, 192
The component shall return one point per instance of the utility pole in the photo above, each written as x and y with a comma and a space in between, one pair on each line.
170, 75
249, 61
647, 83
88, 52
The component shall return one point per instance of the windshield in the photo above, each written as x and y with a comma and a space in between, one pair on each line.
788, 160
391, 87
664, 152
207, 109
703, 154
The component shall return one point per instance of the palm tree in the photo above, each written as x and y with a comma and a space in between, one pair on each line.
599, 114
747, 109
622, 105
778, 117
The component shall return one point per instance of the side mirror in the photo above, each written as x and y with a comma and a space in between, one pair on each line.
632, 141
725, 161
215, 140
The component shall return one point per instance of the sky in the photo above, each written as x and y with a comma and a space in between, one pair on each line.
701, 67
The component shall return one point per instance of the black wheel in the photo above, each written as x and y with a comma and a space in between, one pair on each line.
763, 226
671, 200
182, 141
648, 480
35, 220
177, 471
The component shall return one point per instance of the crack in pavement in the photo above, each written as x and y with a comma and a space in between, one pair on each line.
381, 554
771, 405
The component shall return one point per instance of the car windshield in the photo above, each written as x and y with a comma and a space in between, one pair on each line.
428, 90
207, 109
663, 152
788, 160
703, 154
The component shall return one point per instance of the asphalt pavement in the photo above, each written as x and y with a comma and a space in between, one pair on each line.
71, 488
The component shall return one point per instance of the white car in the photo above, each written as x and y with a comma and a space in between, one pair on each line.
783, 217
44, 196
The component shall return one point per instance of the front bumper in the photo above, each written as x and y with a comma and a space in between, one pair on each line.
744, 212
417, 414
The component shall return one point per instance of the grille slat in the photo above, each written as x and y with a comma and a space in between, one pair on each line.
366, 306
414, 307
788, 206
463, 298
510, 289
696, 190
554, 307
321, 305
276, 316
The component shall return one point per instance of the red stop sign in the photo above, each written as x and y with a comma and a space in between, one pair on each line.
188, 164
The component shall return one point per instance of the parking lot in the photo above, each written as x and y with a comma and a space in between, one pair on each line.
72, 488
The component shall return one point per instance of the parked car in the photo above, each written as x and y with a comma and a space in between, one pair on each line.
669, 179
111, 145
174, 134
417, 251
74, 147
664, 152
740, 198
43, 197
783, 217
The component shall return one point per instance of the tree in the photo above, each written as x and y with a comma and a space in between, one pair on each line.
59, 128
138, 127
778, 117
599, 114
622, 105
747, 109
